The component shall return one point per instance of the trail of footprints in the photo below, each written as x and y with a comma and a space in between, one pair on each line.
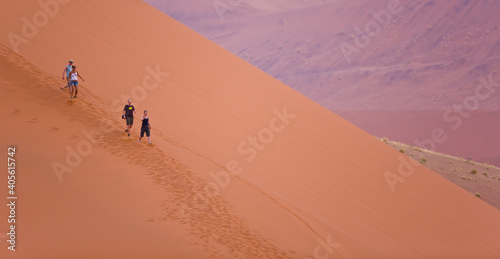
212, 220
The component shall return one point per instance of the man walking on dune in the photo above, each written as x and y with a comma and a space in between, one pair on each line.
67, 70
128, 115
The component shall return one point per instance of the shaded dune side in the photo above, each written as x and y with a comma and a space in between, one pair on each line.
208, 217
323, 169
411, 63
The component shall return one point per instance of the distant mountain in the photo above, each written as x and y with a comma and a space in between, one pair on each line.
374, 62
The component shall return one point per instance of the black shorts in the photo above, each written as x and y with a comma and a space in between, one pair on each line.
145, 129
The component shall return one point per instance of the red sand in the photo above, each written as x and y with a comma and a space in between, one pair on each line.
315, 178
429, 58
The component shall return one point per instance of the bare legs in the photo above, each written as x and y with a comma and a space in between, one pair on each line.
76, 90
69, 83
128, 129
73, 91
149, 139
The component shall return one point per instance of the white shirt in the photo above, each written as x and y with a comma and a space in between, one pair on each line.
73, 76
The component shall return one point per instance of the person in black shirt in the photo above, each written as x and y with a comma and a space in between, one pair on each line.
145, 127
128, 115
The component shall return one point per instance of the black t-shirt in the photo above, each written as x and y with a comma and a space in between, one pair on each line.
145, 122
129, 110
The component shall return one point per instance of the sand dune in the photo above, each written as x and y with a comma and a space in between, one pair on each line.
242, 166
104, 207
429, 57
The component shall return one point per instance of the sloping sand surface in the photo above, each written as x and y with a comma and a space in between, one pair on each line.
242, 166
105, 207
423, 59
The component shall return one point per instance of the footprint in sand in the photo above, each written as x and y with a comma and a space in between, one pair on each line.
15, 111
54, 129
73, 137
33, 120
